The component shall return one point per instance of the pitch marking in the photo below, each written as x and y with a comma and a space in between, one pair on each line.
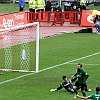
86, 64
49, 68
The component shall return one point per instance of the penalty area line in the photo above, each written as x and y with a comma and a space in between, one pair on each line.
85, 64
68, 62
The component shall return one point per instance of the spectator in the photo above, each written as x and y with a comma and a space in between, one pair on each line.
40, 7
21, 4
32, 6
75, 15
75, 3
57, 8
67, 7
48, 8
82, 6
74, 8
96, 21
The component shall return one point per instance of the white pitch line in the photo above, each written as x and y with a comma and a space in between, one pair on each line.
86, 64
49, 68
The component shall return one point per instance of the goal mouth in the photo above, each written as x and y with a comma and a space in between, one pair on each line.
20, 48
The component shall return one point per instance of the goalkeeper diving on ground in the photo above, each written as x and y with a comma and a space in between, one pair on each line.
67, 84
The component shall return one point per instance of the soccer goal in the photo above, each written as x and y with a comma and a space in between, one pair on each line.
19, 48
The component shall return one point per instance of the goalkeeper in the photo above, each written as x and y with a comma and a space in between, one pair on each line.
65, 84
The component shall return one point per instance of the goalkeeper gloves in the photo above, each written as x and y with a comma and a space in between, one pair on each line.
53, 90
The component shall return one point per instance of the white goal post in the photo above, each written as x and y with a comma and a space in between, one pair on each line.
20, 48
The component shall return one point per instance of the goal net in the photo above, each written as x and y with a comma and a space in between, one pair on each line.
19, 48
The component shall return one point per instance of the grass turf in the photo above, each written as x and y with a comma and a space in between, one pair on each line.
55, 51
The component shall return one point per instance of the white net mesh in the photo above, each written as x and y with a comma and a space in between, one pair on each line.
18, 48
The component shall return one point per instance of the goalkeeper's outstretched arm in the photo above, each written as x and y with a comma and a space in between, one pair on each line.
53, 90
56, 89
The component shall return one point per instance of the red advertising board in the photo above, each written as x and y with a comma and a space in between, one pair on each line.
87, 18
14, 19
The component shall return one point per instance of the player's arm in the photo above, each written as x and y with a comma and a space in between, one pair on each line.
81, 97
74, 77
86, 75
60, 87
53, 90
56, 89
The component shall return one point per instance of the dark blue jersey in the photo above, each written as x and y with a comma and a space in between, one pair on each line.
67, 85
57, 9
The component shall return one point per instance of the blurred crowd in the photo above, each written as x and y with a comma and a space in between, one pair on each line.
41, 5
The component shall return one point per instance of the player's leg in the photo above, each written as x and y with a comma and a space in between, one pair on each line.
98, 27
75, 87
86, 88
70, 88
83, 89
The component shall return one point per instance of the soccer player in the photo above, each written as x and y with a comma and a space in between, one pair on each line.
95, 96
86, 87
81, 80
65, 84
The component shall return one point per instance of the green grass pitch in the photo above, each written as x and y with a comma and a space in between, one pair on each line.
54, 52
